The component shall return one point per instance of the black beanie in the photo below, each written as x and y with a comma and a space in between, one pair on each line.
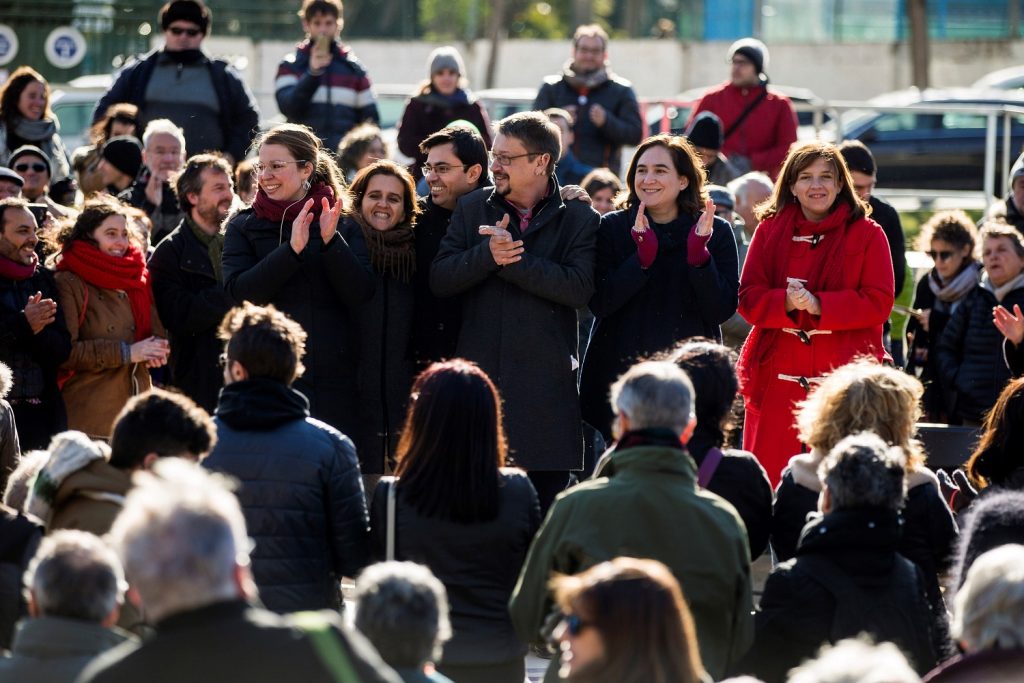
705, 131
30, 150
193, 11
125, 154
857, 157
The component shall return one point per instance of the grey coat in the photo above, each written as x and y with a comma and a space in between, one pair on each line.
519, 321
55, 649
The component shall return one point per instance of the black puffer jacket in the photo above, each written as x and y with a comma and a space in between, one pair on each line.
970, 354
301, 494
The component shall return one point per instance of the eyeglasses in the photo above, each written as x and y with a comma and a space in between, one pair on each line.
507, 159
940, 255
190, 32
440, 169
274, 166
37, 167
574, 625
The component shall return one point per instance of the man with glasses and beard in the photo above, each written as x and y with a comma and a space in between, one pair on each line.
188, 284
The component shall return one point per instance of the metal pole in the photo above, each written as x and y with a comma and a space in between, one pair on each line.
990, 156
1007, 160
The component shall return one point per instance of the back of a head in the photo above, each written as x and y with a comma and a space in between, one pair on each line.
654, 394
993, 520
857, 157
161, 422
1000, 451
75, 575
181, 537
402, 608
266, 342
863, 472
856, 661
19, 483
989, 607
710, 366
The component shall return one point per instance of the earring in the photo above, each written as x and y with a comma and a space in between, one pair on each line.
306, 185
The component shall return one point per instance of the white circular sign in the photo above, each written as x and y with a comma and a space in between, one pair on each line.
65, 47
8, 44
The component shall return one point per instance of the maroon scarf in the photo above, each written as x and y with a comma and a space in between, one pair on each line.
128, 273
13, 270
278, 211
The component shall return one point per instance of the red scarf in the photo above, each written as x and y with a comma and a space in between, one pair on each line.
13, 270
276, 211
128, 273
826, 276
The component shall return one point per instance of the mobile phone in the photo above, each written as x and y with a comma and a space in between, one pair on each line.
322, 44
40, 212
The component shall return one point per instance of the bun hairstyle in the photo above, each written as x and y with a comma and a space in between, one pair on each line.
305, 145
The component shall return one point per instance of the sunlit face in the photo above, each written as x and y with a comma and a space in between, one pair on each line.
183, 35
280, 174
863, 184
322, 24
589, 54
816, 189
445, 81
1001, 261
9, 188
522, 169
743, 73
382, 206
18, 236
33, 170
580, 644
32, 101
375, 152
657, 182
112, 236
213, 202
948, 258
603, 200
448, 178
163, 155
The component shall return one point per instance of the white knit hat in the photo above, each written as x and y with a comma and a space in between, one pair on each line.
69, 452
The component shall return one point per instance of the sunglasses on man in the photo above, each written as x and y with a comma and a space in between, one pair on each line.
190, 32
37, 167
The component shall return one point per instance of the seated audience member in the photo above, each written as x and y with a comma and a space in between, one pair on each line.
75, 588
182, 540
245, 181
970, 351
20, 534
300, 486
988, 621
120, 120
10, 183
735, 475
402, 609
644, 497
625, 621
706, 135
84, 483
856, 661
120, 163
866, 396
750, 190
848, 576
360, 147
1010, 209
163, 155
996, 519
603, 186
34, 166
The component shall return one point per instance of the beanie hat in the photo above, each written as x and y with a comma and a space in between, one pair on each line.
705, 131
722, 196
754, 50
446, 57
69, 452
857, 157
30, 150
124, 153
9, 175
193, 11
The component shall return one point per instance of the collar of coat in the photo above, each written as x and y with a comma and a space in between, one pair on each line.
653, 456
542, 212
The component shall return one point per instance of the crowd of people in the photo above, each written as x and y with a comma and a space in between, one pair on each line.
530, 401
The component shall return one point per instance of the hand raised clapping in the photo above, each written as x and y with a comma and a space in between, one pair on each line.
504, 250
328, 223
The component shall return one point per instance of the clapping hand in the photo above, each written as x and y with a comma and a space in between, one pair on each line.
39, 312
300, 227
504, 250
800, 299
707, 219
329, 218
645, 239
1010, 324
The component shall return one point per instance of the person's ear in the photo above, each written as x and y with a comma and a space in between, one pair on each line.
149, 460
238, 371
691, 425
825, 500
473, 173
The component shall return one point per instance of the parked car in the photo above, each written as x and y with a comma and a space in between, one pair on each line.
73, 103
1003, 79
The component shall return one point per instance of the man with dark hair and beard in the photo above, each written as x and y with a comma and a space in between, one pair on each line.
188, 285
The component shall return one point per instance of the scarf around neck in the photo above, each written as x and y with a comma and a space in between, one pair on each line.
183, 57
12, 270
585, 81
214, 246
35, 131
128, 273
958, 286
392, 252
280, 212
1002, 290
458, 98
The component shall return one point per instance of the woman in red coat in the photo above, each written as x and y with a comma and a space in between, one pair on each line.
817, 286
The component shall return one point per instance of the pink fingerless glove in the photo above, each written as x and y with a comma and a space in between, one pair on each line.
697, 254
646, 246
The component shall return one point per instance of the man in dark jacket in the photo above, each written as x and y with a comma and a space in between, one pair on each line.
205, 96
847, 576
163, 155
605, 108
523, 261
19, 538
1010, 209
34, 339
187, 280
183, 541
322, 84
301, 490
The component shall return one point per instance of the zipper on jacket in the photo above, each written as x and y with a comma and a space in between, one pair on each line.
386, 432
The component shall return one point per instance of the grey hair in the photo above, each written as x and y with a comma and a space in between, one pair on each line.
741, 185
402, 608
864, 471
23, 478
654, 394
856, 660
181, 536
988, 612
75, 575
158, 126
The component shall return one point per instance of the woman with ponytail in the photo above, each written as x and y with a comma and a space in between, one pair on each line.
817, 287
107, 301
286, 250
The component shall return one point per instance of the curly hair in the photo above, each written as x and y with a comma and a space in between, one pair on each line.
954, 227
265, 341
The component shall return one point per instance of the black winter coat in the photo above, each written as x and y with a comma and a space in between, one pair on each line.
19, 539
641, 312
519, 321
970, 354
34, 360
477, 563
798, 612
301, 493
883, 213
319, 289
436, 320
191, 304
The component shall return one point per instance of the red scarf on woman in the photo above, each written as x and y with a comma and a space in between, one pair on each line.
826, 276
276, 210
128, 273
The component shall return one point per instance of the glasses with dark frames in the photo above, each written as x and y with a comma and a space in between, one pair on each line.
190, 32
940, 255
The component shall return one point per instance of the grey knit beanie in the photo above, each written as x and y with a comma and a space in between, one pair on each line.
446, 57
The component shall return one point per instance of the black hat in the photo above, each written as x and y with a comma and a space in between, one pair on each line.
30, 150
124, 153
752, 49
193, 11
857, 157
10, 176
705, 131
721, 196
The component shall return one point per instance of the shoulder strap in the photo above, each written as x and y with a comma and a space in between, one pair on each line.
708, 466
389, 548
746, 112
328, 647
85, 305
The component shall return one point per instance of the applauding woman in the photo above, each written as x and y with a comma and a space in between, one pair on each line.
817, 287
666, 271
285, 250
107, 301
